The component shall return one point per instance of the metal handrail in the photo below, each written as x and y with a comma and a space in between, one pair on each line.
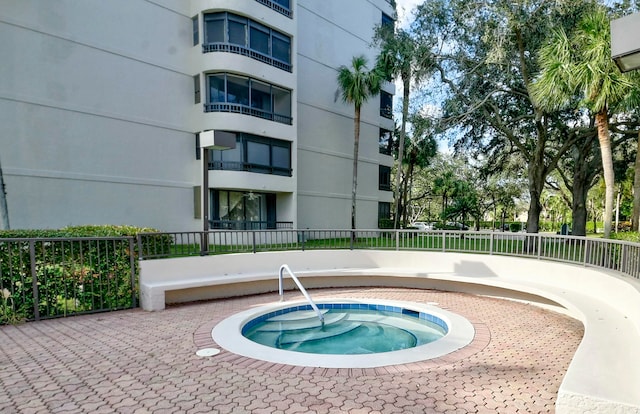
302, 289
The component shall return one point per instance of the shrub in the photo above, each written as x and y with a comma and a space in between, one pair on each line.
632, 236
385, 224
515, 227
73, 276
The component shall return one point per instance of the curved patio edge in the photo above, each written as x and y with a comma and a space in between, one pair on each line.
604, 374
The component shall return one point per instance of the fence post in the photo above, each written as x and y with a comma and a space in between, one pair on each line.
397, 239
204, 243
539, 253
34, 280
491, 243
139, 242
253, 233
132, 265
586, 252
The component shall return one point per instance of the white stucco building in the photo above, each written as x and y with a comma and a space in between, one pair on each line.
101, 103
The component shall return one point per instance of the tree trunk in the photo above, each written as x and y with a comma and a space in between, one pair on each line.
356, 144
4, 211
535, 208
583, 173
602, 123
405, 193
536, 175
405, 114
635, 217
579, 208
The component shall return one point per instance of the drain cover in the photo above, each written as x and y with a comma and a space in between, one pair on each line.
207, 352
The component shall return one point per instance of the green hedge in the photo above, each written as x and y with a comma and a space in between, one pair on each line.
79, 231
632, 236
78, 276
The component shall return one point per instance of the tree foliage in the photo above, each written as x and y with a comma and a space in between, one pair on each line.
486, 59
402, 56
578, 63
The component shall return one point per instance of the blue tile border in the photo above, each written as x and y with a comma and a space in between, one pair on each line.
360, 306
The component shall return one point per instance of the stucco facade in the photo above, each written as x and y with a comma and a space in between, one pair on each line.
101, 103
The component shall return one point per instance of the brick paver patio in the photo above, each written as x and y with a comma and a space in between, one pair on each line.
141, 362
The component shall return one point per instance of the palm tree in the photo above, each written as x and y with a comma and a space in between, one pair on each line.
401, 55
357, 85
445, 185
635, 216
582, 64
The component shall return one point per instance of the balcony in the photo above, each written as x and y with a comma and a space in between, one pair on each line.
244, 51
246, 110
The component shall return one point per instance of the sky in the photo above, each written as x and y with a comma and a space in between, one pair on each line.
405, 9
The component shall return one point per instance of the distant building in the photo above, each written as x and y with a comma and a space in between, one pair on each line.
101, 104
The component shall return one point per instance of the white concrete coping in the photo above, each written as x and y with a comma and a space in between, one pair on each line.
604, 375
228, 334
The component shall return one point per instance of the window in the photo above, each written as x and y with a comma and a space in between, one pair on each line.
255, 154
283, 3
387, 20
384, 215
281, 157
198, 146
281, 105
214, 31
259, 38
386, 104
384, 178
243, 210
281, 48
196, 30
196, 88
217, 88
237, 30
238, 90
384, 210
259, 155
240, 94
227, 32
261, 96
385, 142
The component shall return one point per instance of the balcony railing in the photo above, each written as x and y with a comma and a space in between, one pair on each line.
250, 225
276, 6
249, 167
244, 51
246, 110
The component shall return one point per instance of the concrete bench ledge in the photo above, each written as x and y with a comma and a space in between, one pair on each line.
604, 375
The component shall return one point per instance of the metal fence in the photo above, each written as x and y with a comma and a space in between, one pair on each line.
52, 277
623, 257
